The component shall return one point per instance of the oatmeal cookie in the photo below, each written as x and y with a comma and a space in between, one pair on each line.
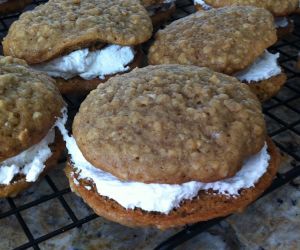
170, 124
226, 40
276, 7
281, 31
61, 26
29, 106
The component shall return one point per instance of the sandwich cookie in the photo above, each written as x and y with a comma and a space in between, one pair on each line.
9, 6
230, 40
169, 145
30, 105
159, 10
281, 9
80, 43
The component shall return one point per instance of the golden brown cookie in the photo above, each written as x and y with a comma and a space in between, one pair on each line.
226, 40
281, 31
29, 106
61, 26
20, 183
126, 126
77, 85
205, 206
276, 7
13, 5
266, 89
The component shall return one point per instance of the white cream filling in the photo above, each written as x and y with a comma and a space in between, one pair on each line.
281, 22
88, 65
160, 197
204, 5
265, 67
30, 162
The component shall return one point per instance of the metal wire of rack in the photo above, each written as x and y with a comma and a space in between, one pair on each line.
287, 124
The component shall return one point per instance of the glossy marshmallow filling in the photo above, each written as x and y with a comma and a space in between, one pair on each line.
88, 65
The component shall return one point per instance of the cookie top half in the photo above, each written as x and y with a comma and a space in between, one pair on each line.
29, 106
60, 26
170, 124
276, 7
226, 40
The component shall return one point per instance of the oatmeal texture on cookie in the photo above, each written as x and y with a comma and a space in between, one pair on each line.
276, 7
170, 124
226, 40
29, 106
61, 26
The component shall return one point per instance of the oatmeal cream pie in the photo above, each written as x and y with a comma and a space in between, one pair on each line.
30, 105
159, 10
80, 43
230, 40
169, 145
8, 6
281, 9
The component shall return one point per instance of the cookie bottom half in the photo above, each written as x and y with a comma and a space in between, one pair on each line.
206, 206
20, 184
266, 89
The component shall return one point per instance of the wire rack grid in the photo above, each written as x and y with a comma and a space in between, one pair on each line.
280, 125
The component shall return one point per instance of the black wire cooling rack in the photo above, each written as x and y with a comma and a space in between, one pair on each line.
283, 127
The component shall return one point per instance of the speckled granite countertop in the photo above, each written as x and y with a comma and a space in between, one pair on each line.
272, 222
